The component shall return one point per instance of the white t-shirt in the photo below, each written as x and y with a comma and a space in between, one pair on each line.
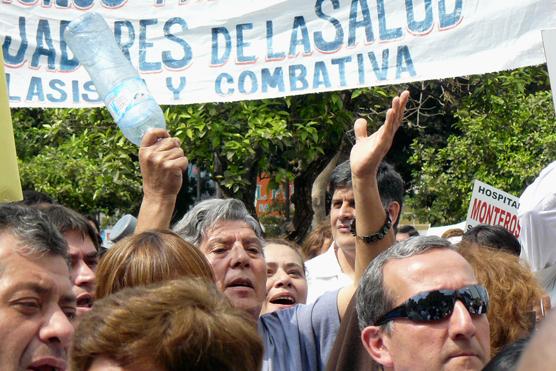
324, 274
537, 217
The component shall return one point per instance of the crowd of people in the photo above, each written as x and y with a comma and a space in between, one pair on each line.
211, 293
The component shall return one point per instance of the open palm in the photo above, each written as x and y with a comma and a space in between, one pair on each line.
368, 151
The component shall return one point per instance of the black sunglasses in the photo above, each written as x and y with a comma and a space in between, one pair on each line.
436, 305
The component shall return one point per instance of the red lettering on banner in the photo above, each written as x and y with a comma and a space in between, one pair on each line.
485, 213
475, 209
482, 212
507, 221
501, 218
512, 225
497, 211
488, 215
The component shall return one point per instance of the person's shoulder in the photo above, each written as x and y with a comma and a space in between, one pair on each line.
328, 299
316, 260
322, 262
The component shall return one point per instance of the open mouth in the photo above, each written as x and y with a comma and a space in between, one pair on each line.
241, 282
85, 301
46, 368
283, 299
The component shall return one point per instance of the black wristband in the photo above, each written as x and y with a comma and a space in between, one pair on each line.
375, 236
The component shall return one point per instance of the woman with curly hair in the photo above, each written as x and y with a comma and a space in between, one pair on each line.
515, 294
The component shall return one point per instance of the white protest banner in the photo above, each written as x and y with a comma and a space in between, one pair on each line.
492, 206
226, 50
549, 43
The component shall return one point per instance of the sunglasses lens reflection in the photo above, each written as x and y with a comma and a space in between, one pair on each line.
439, 304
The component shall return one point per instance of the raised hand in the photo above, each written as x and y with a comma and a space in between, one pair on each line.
162, 164
365, 158
368, 151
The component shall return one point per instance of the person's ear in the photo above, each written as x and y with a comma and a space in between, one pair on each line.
394, 210
375, 342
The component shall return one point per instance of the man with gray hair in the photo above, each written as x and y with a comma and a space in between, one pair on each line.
420, 307
297, 338
215, 226
36, 300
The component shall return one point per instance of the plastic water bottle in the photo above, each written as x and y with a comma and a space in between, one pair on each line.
117, 82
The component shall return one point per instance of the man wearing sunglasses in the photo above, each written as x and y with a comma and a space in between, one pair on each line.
420, 308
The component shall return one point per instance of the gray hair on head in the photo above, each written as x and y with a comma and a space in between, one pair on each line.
194, 225
36, 234
373, 300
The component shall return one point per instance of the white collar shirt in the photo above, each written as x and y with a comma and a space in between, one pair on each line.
325, 274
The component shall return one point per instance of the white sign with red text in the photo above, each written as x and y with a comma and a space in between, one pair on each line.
492, 206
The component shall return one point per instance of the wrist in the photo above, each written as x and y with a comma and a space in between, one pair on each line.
364, 182
155, 212
162, 199
365, 173
378, 235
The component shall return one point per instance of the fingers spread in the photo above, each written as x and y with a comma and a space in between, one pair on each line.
360, 129
404, 97
394, 116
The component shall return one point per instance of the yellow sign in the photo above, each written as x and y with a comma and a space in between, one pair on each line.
10, 186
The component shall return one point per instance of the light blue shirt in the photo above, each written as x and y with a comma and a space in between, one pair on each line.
301, 337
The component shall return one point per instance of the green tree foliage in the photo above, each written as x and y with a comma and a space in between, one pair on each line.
498, 128
504, 134
79, 157
287, 139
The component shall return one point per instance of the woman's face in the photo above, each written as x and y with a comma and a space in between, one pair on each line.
286, 284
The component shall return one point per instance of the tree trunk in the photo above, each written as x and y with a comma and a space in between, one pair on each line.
247, 194
301, 198
318, 191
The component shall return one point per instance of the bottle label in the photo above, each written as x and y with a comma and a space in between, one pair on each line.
125, 96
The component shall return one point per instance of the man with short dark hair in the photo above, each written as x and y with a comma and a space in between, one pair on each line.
335, 268
35, 198
494, 236
420, 308
36, 301
83, 249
